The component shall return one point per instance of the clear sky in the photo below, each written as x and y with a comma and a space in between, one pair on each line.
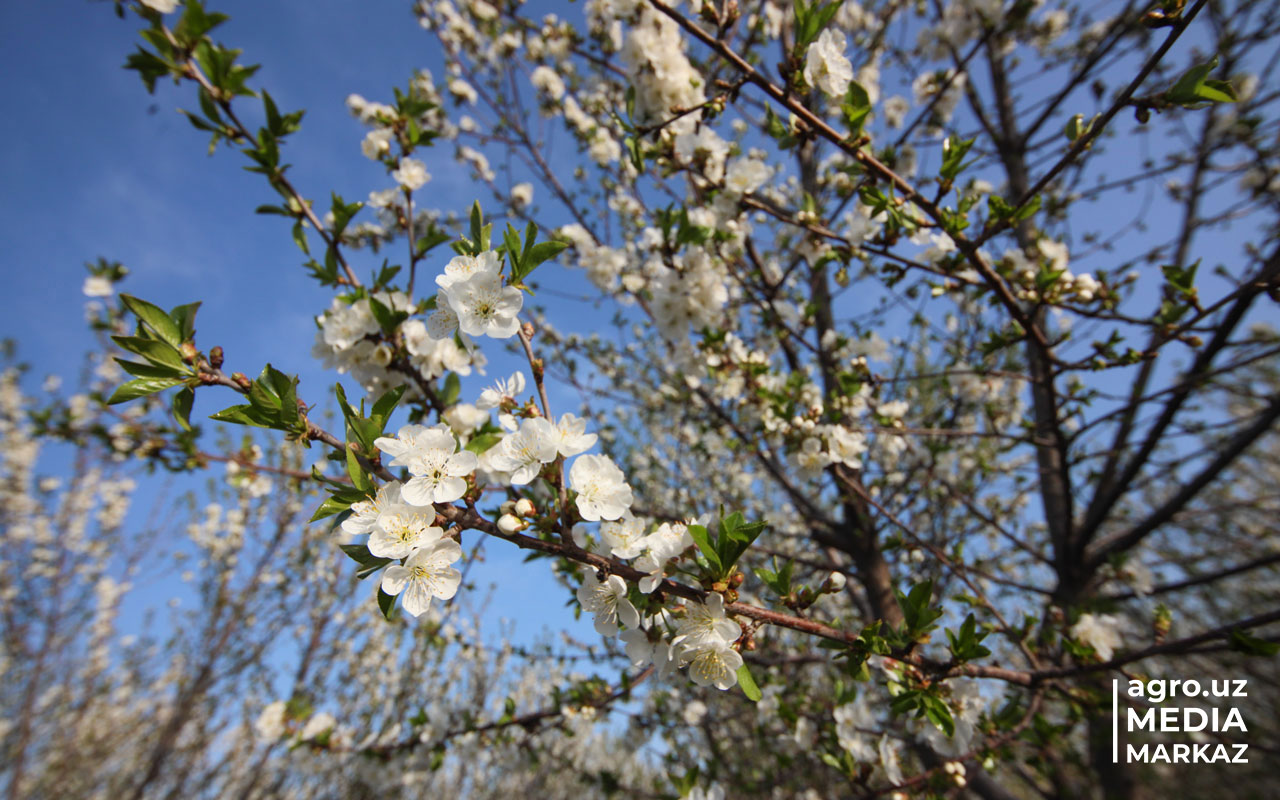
94, 166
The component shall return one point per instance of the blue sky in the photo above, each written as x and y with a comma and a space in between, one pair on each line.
94, 166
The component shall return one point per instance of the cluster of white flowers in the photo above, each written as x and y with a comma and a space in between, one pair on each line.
664, 80
829, 444
943, 89
472, 299
701, 639
399, 524
346, 342
1025, 269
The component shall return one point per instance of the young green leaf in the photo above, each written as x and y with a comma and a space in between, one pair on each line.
748, 684
141, 387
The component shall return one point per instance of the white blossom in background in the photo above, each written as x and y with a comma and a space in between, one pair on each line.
852, 719
522, 195
425, 575
97, 286
745, 175
463, 91
270, 725
603, 492
377, 143
846, 446
811, 459
654, 58
825, 66
1099, 631
412, 174
547, 82
317, 726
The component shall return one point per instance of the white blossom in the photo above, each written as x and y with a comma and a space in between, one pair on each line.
602, 490
1099, 631
402, 529
429, 454
163, 6
425, 575
523, 453
412, 174
484, 306
715, 663
825, 66
608, 602
571, 436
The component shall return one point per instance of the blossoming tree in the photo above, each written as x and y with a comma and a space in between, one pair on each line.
909, 435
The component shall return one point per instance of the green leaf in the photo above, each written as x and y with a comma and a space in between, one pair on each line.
1246, 643
702, 539
387, 319
185, 318
736, 536
300, 238
387, 603
182, 402
939, 714
367, 561
748, 684
154, 318
386, 404
1218, 92
141, 387
1195, 87
856, 106
331, 506
433, 239
536, 255
452, 389
362, 430
140, 370
243, 415
359, 478
953, 153
161, 354
482, 442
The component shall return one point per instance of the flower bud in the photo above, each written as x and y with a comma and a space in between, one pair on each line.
524, 507
215, 357
509, 524
189, 352
836, 582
